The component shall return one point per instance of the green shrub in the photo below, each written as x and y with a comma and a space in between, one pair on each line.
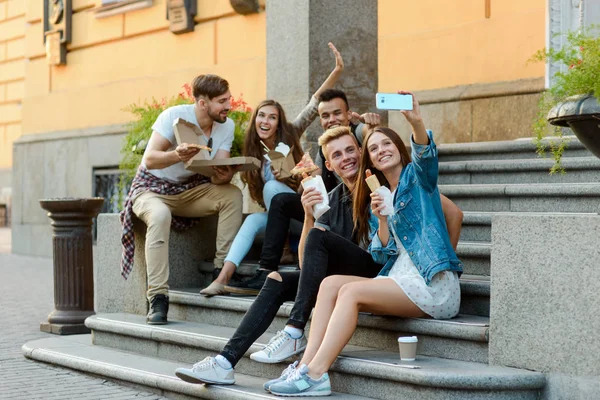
581, 54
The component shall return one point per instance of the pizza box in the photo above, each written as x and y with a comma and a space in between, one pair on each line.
186, 132
204, 167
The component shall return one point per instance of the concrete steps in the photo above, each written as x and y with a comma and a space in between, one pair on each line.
566, 197
504, 150
463, 338
155, 374
125, 348
580, 170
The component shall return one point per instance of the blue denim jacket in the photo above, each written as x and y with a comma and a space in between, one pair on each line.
418, 219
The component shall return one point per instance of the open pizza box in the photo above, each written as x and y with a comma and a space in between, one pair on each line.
186, 132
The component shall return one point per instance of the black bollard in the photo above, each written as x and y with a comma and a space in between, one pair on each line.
73, 263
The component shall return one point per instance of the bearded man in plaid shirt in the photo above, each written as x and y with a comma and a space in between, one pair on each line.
164, 194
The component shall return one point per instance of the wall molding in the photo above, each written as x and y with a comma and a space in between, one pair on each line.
481, 90
106, 130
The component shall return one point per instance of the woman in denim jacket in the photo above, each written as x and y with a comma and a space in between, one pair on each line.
421, 270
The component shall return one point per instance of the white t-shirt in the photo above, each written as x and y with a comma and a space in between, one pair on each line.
222, 138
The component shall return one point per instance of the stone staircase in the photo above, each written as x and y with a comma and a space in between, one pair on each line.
484, 179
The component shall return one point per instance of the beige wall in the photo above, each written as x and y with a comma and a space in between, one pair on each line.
430, 44
115, 61
12, 75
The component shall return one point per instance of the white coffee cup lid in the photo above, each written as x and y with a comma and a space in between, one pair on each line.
408, 339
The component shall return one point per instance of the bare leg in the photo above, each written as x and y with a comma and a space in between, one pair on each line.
226, 273
326, 300
379, 296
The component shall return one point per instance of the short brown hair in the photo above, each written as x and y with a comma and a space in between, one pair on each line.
209, 85
332, 134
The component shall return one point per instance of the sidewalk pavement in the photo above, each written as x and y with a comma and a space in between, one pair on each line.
27, 299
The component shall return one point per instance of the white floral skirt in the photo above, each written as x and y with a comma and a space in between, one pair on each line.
440, 300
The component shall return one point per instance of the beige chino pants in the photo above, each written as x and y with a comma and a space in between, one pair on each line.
203, 200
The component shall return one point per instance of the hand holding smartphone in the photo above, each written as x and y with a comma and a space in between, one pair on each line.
394, 101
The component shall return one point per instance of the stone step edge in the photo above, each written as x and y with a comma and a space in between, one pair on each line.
469, 284
485, 217
516, 165
146, 377
461, 376
463, 327
474, 249
521, 190
502, 146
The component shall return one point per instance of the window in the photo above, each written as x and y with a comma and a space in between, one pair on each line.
106, 184
114, 7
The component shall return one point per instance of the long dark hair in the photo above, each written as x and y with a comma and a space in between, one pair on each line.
361, 192
253, 148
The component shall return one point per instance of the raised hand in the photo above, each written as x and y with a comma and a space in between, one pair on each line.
412, 116
339, 61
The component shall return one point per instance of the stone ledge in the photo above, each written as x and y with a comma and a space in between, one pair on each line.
544, 276
116, 129
541, 190
541, 164
481, 90
188, 250
503, 146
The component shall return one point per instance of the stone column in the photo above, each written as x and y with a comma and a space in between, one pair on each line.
298, 58
73, 263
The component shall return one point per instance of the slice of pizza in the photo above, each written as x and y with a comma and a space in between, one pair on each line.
306, 164
198, 146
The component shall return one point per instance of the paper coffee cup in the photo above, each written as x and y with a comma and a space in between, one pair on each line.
408, 347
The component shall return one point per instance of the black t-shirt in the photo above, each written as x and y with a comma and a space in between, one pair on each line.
339, 217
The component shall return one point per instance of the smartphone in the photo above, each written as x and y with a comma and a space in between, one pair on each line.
394, 101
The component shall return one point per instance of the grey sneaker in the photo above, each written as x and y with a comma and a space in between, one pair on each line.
299, 384
280, 347
286, 372
207, 371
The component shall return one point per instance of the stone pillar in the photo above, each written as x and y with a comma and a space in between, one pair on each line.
298, 58
544, 299
73, 263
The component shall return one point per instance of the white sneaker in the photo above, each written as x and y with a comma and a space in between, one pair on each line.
280, 347
284, 375
207, 371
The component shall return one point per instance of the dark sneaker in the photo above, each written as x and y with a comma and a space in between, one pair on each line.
159, 308
250, 286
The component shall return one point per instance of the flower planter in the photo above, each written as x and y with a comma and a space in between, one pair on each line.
581, 114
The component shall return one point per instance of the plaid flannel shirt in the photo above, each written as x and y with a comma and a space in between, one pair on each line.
142, 182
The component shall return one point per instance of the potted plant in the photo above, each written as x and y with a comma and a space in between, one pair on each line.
573, 100
140, 130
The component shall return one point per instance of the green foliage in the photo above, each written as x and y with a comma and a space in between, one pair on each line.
140, 130
581, 54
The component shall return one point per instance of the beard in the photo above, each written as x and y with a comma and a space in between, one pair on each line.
217, 117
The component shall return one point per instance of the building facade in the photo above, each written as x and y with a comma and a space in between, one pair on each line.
61, 126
